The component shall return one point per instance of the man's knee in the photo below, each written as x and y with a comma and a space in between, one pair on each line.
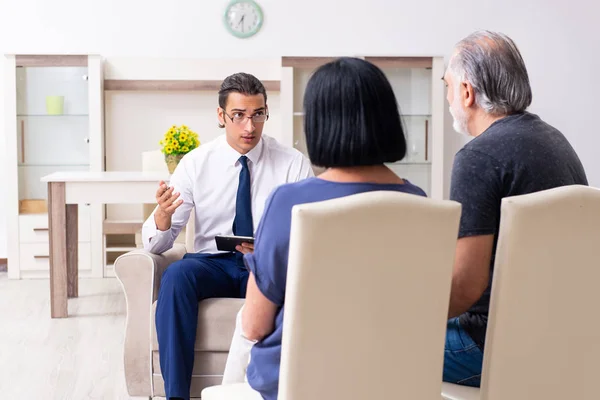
178, 275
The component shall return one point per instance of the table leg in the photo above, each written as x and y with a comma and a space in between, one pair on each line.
57, 223
72, 267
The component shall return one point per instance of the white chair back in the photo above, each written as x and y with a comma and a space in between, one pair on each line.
367, 297
543, 337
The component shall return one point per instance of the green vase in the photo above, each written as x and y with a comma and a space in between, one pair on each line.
172, 160
55, 105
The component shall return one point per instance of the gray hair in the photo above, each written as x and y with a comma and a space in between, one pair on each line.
492, 64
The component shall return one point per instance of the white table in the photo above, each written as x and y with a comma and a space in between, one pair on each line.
65, 191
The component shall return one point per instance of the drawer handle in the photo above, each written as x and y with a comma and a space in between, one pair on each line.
41, 257
40, 229
23, 141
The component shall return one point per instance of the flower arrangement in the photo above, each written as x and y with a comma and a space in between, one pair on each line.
177, 142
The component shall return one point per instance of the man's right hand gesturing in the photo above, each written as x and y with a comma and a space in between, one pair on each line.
167, 204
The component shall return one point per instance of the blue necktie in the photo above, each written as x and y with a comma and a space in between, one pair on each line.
242, 223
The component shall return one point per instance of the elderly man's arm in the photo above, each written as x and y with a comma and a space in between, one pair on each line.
471, 273
477, 184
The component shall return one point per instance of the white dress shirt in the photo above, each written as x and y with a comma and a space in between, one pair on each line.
208, 178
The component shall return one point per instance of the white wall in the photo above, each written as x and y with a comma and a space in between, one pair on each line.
161, 110
559, 40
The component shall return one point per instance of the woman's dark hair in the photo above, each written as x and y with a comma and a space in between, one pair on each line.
243, 83
351, 116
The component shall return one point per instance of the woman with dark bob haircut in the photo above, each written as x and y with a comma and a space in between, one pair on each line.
352, 128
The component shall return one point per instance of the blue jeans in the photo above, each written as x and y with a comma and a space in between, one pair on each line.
463, 359
186, 282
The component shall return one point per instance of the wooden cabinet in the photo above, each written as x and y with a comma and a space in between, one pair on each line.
53, 111
420, 95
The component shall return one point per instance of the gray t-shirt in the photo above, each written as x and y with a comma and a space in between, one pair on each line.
516, 155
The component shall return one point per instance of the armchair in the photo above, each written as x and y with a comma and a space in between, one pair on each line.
140, 274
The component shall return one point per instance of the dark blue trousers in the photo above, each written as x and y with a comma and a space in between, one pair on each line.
184, 283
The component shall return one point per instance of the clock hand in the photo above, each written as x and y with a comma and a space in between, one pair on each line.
242, 22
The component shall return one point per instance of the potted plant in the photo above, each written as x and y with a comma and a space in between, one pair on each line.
177, 142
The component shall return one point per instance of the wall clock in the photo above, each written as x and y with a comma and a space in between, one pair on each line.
243, 18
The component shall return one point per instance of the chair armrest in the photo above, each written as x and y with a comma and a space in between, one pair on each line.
140, 273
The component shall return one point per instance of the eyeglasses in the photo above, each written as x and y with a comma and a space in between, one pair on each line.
240, 118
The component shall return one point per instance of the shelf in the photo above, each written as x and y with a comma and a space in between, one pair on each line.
33, 206
381, 62
175, 85
112, 227
51, 116
305, 62
120, 249
69, 60
301, 114
27, 165
401, 62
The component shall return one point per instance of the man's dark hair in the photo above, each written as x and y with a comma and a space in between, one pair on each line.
243, 83
351, 116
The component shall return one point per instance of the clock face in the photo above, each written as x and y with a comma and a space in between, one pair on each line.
243, 18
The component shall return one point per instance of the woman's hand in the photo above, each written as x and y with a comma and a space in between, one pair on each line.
245, 248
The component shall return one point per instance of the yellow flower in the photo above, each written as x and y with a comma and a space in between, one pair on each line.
179, 140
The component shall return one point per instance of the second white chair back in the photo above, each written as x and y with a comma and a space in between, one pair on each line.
543, 337
367, 296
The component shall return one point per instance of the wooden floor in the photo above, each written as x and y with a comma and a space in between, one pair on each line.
77, 358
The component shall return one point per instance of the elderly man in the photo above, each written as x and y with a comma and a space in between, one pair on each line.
513, 152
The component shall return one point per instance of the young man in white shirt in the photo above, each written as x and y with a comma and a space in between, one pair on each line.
227, 181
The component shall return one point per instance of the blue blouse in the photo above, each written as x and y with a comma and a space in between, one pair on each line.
269, 262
